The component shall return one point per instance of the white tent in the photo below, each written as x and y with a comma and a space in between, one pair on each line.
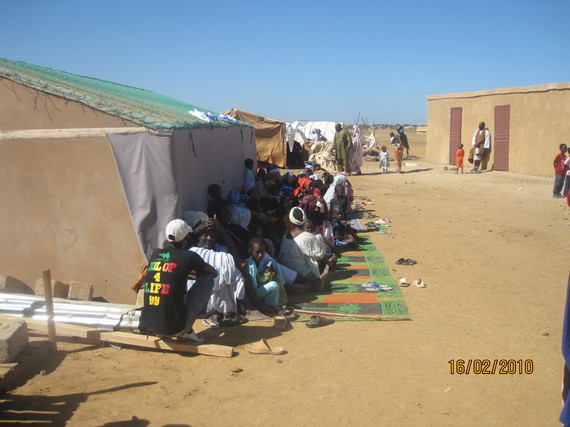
302, 131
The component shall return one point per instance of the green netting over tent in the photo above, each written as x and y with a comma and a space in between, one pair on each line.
140, 106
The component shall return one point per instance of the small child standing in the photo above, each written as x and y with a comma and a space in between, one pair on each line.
384, 160
559, 171
459, 155
567, 179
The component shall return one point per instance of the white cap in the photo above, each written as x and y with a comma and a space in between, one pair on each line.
177, 230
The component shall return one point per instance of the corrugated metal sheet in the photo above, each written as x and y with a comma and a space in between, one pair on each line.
105, 316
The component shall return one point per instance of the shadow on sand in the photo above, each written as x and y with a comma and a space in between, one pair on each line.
56, 410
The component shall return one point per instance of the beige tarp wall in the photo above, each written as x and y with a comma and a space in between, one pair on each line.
538, 123
63, 207
269, 136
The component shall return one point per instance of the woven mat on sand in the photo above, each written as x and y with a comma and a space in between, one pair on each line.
347, 299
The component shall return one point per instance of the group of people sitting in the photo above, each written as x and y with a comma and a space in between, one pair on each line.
275, 235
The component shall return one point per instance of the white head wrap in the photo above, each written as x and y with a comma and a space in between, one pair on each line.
295, 220
329, 195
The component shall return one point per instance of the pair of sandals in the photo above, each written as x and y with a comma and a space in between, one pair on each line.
406, 261
230, 319
376, 287
418, 282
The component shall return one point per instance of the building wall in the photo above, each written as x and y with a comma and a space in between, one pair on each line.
62, 206
538, 124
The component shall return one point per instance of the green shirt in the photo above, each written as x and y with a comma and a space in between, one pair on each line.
342, 144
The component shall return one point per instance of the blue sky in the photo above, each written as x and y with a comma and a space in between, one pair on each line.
298, 60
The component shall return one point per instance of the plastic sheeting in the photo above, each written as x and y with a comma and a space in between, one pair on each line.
165, 174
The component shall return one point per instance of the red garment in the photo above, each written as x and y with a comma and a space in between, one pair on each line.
301, 189
559, 164
308, 203
459, 155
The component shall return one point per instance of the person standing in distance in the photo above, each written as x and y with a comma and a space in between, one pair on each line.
481, 145
404, 140
342, 146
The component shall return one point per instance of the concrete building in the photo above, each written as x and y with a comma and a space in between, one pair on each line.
527, 124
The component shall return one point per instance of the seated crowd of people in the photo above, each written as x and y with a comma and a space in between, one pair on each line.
274, 235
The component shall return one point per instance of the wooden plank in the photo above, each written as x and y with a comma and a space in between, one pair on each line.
67, 133
67, 330
63, 329
166, 344
49, 309
97, 336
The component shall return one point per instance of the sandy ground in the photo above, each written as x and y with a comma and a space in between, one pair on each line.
492, 250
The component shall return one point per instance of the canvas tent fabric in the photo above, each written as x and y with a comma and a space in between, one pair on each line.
164, 176
302, 131
91, 208
269, 136
322, 152
319, 152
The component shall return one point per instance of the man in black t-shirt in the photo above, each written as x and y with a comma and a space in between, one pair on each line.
169, 310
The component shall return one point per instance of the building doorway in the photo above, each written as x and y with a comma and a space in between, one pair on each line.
455, 115
501, 138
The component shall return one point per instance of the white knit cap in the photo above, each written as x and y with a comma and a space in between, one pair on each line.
295, 220
177, 230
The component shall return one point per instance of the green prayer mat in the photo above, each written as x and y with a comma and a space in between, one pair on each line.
346, 299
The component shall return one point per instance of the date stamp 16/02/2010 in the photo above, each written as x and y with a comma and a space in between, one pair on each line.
491, 366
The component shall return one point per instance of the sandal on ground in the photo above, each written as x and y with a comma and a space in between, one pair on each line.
280, 322
257, 315
263, 347
211, 323
190, 336
230, 319
376, 287
401, 261
316, 321
410, 262
420, 283
289, 313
